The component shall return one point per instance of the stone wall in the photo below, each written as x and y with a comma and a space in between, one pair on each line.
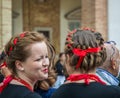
5, 21
43, 14
94, 15
101, 17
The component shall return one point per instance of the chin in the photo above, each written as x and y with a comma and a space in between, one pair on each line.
44, 77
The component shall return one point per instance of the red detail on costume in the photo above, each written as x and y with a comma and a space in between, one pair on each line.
86, 28
74, 31
11, 48
22, 34
85, 77
15, 41
82, 53
68, 39
3, 64
24, 83
9, 78
5, 82
69, 35
69, 45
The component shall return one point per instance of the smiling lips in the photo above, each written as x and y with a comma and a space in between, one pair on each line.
45, 70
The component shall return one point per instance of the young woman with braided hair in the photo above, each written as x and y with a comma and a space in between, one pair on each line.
29, 57
84, 53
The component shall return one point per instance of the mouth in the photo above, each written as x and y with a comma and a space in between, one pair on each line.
45, 70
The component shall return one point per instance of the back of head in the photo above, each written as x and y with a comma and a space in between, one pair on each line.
18, 47
112, 55
86, 43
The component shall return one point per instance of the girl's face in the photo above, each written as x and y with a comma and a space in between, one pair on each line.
63, 58
36, 65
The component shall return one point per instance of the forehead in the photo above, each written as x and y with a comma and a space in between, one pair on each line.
39, 47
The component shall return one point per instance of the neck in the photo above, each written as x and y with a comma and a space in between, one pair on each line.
79, 72
84, 78
29, 81
26, 79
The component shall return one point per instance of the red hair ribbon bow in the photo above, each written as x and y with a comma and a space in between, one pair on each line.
82, 53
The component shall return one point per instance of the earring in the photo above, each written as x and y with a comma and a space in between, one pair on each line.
21, 69
114, 67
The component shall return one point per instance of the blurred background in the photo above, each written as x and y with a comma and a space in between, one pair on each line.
55, 18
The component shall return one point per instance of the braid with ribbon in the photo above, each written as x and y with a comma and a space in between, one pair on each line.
86, 45
76, 49
9, 77
15, 40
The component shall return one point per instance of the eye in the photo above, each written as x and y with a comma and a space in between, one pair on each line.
46, 56
38, 59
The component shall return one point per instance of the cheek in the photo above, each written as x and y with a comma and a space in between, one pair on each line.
119, 68
48, 62
118, 65
34, 66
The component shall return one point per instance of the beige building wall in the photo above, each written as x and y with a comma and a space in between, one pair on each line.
41, 15
101, 17
65, 7
50, 15
0, 25
94, 14
5, 21
17, 18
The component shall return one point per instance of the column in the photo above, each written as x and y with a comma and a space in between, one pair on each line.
5, 21
94, 15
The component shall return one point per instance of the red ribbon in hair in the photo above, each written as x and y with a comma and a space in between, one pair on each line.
15, 42
3, 64
82, 53
22, 34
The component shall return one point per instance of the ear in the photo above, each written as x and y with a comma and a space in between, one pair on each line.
19, 65
113, 64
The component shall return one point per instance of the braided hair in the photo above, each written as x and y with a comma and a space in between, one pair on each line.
84, 39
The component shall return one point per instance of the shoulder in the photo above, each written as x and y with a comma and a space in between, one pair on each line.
17, 91
114, 91
32, 95
109, 89
44, 93
115, 88
72, 89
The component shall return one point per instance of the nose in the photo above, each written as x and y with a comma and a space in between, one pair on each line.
46, 62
